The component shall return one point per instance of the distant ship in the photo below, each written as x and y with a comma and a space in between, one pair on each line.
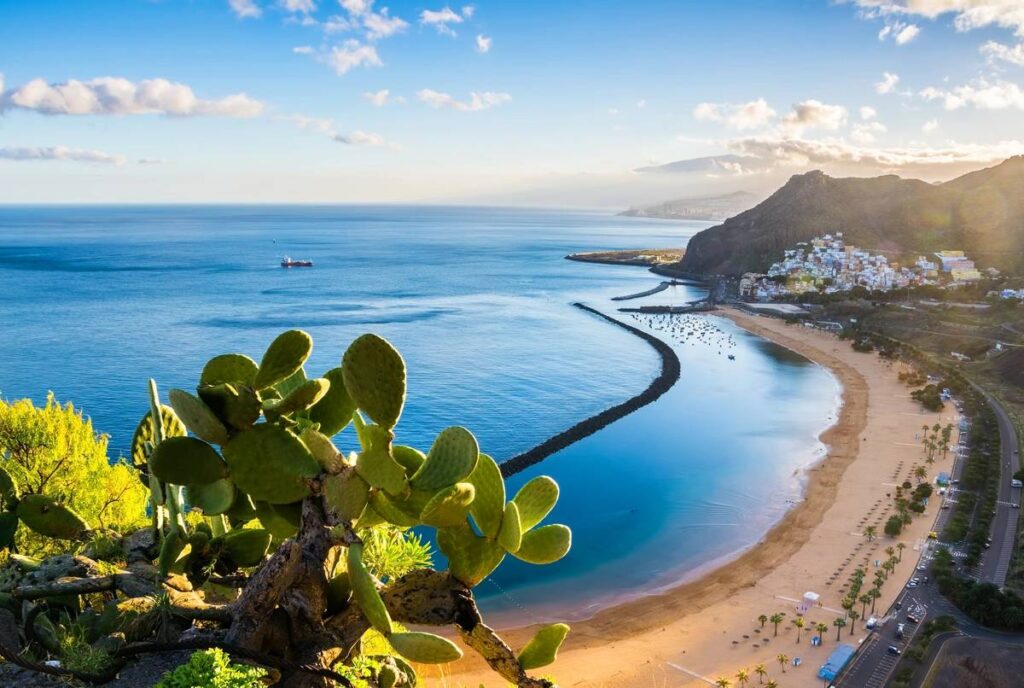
289, 263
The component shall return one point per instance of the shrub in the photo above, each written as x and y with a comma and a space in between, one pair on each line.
212, 669
894, 526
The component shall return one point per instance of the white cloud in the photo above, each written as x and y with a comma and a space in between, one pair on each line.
361, 15
441, 19
906, 34
63, 153
641, 104
327, 127
982, 94
969, 14
887, 84
483, 43
361, 138
799, 152
382, 97
116, 96
930, 126
351, 54
477, 100
1014, 54
867, 112
813, 114
468, 11
245, 9
303, 50
381, 25
750, 115
865, 132
303, 6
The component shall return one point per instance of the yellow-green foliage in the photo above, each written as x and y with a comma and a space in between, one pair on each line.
53, 450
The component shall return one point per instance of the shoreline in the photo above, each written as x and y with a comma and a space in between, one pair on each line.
671, 369
641, 640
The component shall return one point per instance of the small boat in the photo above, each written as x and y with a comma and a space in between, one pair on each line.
287, 262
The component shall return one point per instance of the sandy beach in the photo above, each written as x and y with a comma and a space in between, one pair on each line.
709, 628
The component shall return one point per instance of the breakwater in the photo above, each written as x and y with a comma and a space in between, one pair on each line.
670, 371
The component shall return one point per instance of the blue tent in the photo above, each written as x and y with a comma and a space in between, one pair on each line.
835, 662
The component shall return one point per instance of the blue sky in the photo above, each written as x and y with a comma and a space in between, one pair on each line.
270, 100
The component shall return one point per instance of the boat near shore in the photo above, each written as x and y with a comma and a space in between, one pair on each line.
288, 262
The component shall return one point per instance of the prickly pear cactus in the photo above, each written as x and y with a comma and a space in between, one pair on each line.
257, 445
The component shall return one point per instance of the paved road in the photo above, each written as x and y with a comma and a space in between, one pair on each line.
995, 563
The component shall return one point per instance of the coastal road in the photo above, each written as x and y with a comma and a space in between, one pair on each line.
995, 562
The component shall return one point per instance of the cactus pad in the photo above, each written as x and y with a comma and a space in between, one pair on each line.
237, 406
186, 461
213, 498
9, 493
283, 358
543, 647
281, 523
170, 550
393, 510
511, 535
425, 648
246, 547
535, 500
270, 463
347, 494
488, 507
410, 458
364, 590
8, 527
242, 509
452, 458
374, 375
299, 399
334, 411
230, 368
375, 463
145, 434
449, 507
197, 417
323, 450
545, 545
339, 592
471, 558
48, 518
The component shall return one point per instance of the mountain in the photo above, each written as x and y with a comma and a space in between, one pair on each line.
981, 213
697, 208
713, 163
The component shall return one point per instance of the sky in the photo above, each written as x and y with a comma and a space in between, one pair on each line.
525, 102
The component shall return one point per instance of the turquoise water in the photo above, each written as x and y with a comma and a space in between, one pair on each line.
98, 299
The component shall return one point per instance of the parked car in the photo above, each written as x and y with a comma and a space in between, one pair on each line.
899, 631
893, 650
912, 618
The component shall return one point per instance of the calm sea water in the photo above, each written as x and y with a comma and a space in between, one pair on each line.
99, 299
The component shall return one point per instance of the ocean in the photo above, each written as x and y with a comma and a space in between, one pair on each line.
99, 299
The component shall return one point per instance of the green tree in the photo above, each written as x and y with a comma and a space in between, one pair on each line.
899, 548
799, 623
821, 628
871, 532
53, 450
783, 660
761, 670
776, 619
839, 623
763, 619
742, 678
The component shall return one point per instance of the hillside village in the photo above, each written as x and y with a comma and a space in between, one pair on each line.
826, 264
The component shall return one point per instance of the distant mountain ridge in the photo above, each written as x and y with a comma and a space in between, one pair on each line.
697, 208
980, 212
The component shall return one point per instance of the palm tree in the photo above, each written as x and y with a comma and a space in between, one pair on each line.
723, 683
799, 623
875, 593
839, 623
871, 532
890, 551
864, 600
742, 676
772, 683
821, 628
900, 547
920, 473
776, 619
762, 619
853, 619
848, 603
761, 670
783, 660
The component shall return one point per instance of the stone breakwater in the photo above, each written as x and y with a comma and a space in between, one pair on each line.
670, 371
